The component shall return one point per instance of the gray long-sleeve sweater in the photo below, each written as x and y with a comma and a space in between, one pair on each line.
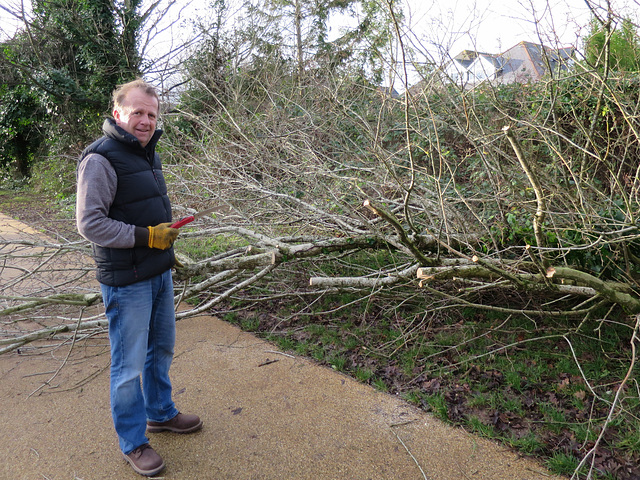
96, 189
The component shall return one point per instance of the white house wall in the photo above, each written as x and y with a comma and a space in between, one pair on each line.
481, 69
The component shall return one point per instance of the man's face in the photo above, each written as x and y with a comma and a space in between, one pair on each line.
138, 115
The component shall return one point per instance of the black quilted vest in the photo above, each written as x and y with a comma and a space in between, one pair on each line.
141, 199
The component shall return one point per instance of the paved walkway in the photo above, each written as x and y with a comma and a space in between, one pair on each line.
268, 415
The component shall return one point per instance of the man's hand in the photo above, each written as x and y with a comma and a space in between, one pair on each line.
162, 236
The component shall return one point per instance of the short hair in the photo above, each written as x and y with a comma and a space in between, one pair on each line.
120, 93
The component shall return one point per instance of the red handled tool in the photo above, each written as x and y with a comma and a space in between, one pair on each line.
183, 221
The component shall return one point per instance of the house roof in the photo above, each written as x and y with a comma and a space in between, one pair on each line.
496, 60
528, 61
467, 57
524, 62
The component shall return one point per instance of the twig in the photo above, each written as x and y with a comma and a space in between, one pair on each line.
538, 472
268, 362
424, 475
402, 424
66, 359
279, 353
616, 400
226, 294
38, 373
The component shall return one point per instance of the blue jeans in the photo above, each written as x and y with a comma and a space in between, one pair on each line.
142, 334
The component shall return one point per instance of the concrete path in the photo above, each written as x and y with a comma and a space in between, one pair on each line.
268, 415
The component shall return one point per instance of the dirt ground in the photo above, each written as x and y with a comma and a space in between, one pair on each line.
267, 414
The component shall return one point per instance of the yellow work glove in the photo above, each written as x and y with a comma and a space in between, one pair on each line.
162, 236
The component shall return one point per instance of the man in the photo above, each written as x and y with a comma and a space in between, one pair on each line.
123, 209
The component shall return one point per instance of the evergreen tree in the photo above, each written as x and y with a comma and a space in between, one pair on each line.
617, 47
302, 32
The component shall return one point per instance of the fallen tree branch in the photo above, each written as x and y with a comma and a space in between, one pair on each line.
226, 294
58, 299
541, 207
608, 290
364, 282
583, 284
16, 342
277, 251
400, 231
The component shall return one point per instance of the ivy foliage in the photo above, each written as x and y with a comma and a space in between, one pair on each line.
57, 73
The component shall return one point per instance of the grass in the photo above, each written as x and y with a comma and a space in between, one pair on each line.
501, 378
380, 384
438, 406
338, 362
562, 463
480, 428
630, 441
363, 374
529, 444
200, 248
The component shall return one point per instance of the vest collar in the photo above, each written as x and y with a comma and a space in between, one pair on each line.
114, 131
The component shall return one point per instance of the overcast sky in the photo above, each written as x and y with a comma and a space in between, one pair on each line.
441, 28
485, 25
493, 26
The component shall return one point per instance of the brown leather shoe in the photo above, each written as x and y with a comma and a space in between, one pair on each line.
181, 423
145, 460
